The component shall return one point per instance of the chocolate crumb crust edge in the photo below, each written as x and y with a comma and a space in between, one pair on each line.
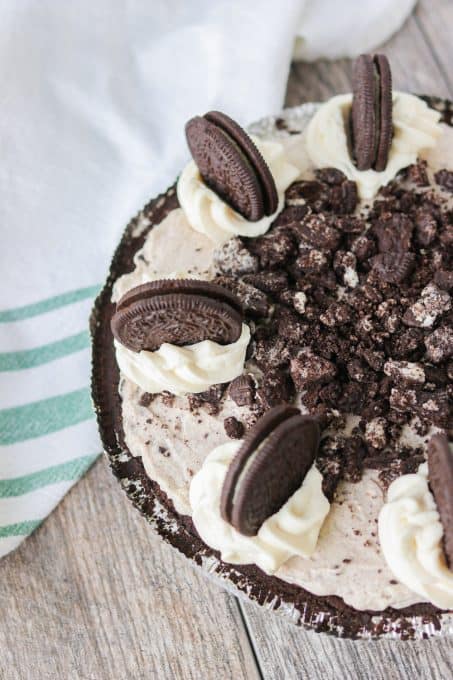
328, 614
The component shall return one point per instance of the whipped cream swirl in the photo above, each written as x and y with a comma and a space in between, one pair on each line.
293, 530
209, 214
180, 370
410, 534
415, 129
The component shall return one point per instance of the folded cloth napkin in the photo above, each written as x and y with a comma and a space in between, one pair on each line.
94, 99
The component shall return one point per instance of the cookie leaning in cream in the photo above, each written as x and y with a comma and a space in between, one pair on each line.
254, 185
416, 529
261, 500
415, 130
179, 335
325, 251
410, 535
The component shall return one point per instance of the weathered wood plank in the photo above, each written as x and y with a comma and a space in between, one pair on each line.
435, 20
288, 653
96, 594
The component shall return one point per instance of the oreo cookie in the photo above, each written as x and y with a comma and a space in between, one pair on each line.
269, 467
371, 113
440, 475
178, 311
231, 165
385, 112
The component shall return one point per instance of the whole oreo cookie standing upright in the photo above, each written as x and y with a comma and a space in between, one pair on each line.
177, 311
371, 113
268, 468
440, 476
231, 165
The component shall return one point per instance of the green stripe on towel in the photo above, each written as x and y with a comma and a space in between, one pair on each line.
30, 358
47, 305
20, 529
64, 472
42, 417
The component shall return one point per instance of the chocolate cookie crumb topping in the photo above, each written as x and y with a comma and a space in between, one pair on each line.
233, 427
444, 178
242, 390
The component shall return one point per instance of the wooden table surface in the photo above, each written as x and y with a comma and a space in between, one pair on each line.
95, 595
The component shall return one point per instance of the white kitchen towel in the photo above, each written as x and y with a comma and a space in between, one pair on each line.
94, 97
330, 29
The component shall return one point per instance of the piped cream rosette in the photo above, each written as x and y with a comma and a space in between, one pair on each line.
207, 213
186, 306
415, 129
410, 534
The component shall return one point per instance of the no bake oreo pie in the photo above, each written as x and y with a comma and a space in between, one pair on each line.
275, 395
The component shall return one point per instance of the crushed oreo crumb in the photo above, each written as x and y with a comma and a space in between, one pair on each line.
242, 390
353, 312
233, 428
146, 398
445, 179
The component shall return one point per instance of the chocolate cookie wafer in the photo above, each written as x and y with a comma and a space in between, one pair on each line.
268, 468
385, 127
231, 165
267, 183
440, 475
178, 311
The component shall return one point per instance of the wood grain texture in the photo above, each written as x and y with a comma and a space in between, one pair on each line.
435, 21
95, 595
285, 652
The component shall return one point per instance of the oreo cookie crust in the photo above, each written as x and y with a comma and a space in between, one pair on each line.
231, 165
178, 311
321, 614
